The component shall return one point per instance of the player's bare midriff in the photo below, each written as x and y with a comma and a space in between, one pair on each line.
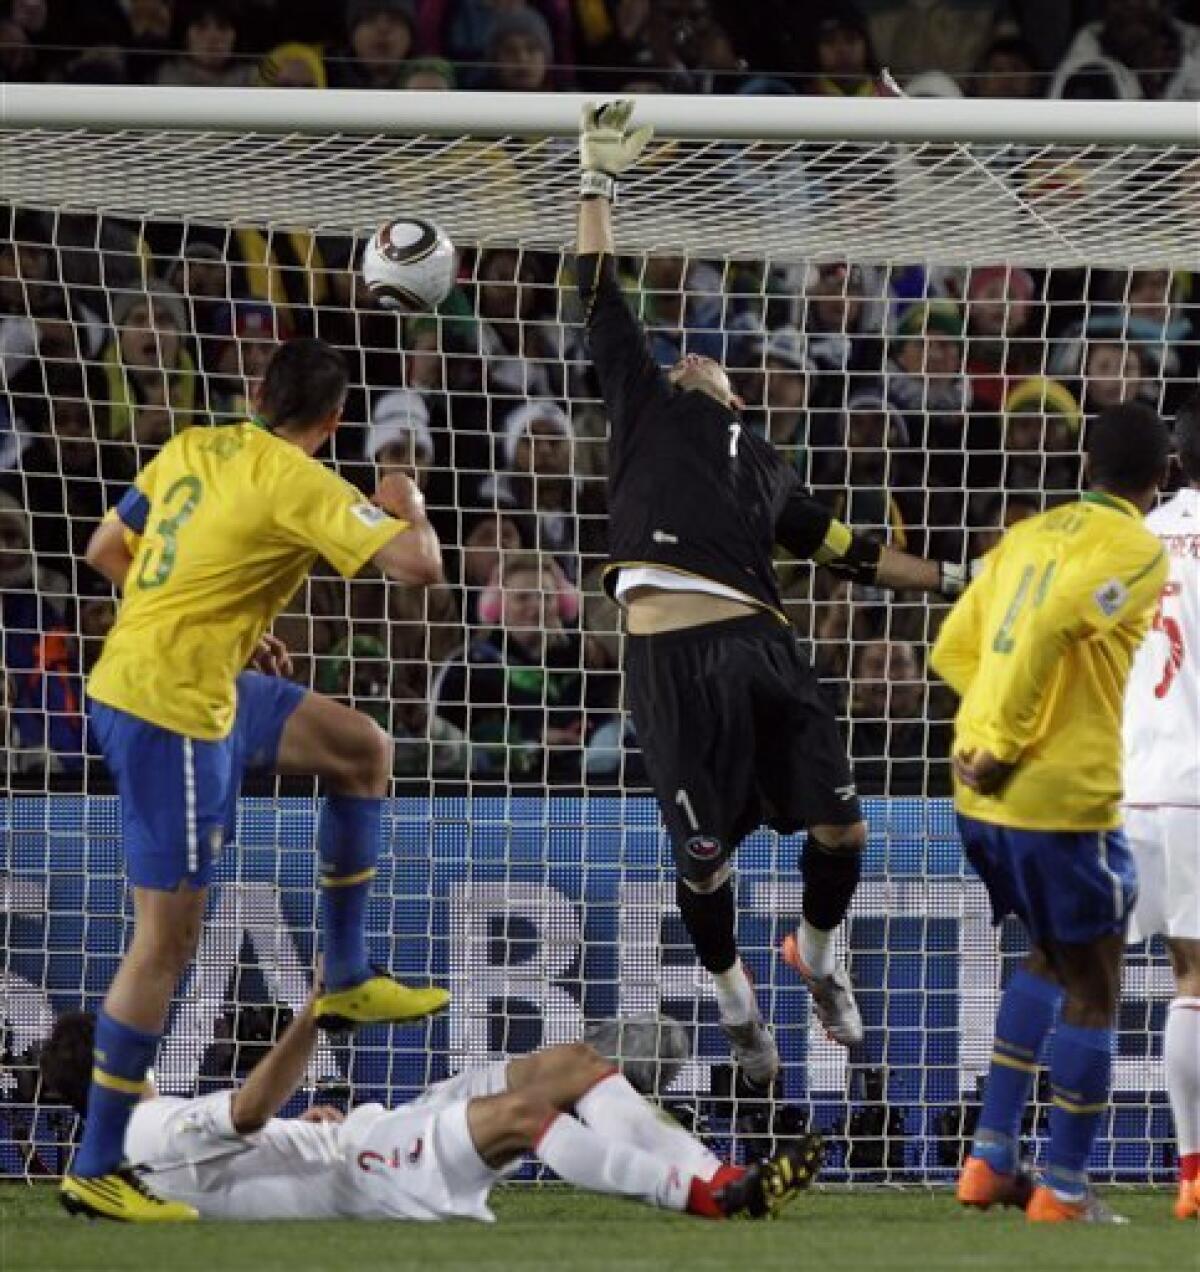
651, 610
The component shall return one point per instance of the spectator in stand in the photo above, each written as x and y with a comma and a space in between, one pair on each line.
917, 34
1009, 67
244, 354
381, 35
486, 534
1042, 423
18, 60
867, 469
895, 748
207, 31
519, 342
398, 436
999, 513
843, 61
69, 477
1155, 55
151, 24
1112, 373
202, 276
463, 32
522, 694
925, 382
1002, 344
424, 744
841, 318
429, 74
293, 65
519, 53
925, 378
151, 388
37, 652
1143, 308
683, 305
782, 391
540, 482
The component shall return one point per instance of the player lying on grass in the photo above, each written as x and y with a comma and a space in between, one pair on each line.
1039, 649
729, 715
230, 1157
1162, 797
207, 547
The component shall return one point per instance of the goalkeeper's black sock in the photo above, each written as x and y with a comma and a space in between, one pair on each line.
830, 879
710, 920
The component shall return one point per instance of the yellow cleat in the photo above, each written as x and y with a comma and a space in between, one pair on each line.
121, 1195
380, 1000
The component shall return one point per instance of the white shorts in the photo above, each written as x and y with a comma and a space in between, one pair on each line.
416, 1162
1166, 848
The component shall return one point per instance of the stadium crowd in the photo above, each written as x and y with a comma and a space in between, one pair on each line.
934, 407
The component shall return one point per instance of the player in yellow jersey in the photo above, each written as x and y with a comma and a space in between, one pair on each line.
1039, 648
207, 546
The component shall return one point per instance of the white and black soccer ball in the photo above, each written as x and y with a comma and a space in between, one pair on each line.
408, 264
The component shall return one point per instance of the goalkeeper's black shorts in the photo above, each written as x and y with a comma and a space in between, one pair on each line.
735, 734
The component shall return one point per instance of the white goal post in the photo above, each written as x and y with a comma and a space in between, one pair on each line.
832, 251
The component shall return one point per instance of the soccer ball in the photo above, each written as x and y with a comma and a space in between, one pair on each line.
409, 265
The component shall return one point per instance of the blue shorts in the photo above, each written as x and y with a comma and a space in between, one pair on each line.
179, 794
1066, 887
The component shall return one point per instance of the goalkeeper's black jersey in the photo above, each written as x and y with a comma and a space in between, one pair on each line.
688, 488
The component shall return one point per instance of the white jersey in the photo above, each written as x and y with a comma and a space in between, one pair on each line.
414, 1162
1162, 703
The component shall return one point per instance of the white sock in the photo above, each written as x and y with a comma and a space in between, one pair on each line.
816, 949
614, 1110
575, 1152
736, 1001
1181, 1052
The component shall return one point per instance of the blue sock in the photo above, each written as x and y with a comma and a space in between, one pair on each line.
1027, 1013
348, 833
123, 1057
1080, 1079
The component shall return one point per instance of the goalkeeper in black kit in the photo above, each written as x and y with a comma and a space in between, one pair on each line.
734, 730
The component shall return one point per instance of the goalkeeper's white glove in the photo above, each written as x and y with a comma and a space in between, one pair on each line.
607, 145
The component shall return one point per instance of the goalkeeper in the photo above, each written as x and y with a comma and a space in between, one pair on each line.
728, 712
208, 545
1039, 649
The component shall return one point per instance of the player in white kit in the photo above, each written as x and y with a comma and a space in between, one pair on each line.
231, 1157
1162, 794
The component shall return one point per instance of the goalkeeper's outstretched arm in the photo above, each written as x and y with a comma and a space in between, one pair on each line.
807, 528
628, 375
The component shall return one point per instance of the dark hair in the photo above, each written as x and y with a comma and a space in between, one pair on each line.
66, 1060
1128, 447
1187, 438
305, 381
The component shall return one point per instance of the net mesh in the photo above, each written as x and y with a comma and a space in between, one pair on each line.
921, 329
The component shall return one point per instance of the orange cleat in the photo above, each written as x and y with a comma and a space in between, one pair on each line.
1187, 1204
1045, 1207
981, 1187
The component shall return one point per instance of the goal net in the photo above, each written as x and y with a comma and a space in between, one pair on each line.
921, 304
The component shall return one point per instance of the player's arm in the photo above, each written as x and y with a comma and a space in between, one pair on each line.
277, 1076
114, 543
414, 554
956, 653
616, 340
808, 529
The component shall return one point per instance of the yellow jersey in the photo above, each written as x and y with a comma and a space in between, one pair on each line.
224, 525
1039, 649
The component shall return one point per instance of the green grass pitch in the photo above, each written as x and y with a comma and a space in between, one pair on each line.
551, 1228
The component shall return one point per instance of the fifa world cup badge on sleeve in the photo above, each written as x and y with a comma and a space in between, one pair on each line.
1111, 597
